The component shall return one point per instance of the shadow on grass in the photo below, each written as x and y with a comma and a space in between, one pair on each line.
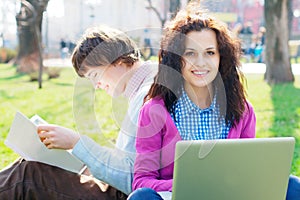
16, 76
286, 102
5, 95
64, 84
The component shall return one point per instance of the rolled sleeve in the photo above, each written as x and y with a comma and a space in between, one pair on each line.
112, 166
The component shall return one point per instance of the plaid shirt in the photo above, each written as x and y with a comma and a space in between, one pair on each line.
194, 123
137, 79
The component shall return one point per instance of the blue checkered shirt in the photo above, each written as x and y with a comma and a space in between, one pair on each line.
194, 123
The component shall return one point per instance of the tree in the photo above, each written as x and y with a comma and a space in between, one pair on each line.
161, 16
29, 24
172, 5
278, 66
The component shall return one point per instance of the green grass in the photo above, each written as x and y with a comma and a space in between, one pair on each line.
277, 111
277, 108
55, 103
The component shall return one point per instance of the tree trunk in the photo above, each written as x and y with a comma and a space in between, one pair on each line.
174, 7
278, 66
29, 23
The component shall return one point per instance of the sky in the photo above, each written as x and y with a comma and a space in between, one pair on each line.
55, 8
8, 9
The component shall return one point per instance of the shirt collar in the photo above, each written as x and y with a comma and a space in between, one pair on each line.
136, 80
187, 105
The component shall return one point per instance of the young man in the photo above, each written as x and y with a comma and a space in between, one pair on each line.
111, 60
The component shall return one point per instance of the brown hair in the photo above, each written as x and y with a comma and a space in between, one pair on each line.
169, 87
102, 46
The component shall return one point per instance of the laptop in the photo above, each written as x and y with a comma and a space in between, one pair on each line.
233, 169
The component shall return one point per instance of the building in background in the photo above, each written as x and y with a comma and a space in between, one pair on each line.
130, 16
249, 11
8, 29
296, 20
67, 19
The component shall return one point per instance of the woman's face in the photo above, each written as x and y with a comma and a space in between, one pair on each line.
108, 78
201, 58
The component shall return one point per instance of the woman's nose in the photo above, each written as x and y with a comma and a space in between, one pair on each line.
199, 61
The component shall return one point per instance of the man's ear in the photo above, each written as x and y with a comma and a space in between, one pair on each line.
122, 64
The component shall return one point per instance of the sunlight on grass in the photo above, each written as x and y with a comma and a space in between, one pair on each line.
54, 103
277, 111
97, 115
259, 96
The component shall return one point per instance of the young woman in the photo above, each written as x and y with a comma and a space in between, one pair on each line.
198, 94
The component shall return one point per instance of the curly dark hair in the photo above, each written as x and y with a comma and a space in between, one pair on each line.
168, 85
101, 46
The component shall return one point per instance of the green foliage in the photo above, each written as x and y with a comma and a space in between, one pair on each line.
277, 108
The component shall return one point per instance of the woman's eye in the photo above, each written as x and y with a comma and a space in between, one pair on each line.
189, 53
211, 53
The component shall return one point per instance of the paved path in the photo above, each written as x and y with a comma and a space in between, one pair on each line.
248, 68
57, 62
260, 68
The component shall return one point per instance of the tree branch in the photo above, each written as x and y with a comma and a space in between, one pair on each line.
156, 11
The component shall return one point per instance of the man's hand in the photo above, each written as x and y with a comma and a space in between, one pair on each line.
58, 137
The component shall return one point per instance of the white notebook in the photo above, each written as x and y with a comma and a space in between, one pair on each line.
24, 140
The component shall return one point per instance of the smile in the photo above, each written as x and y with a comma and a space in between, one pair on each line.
200, 72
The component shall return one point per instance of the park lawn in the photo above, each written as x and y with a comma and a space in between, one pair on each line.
54, 103
277, 108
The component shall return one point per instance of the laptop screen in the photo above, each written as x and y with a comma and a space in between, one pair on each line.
232, 169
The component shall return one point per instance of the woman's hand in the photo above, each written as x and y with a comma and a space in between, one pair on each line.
58, 137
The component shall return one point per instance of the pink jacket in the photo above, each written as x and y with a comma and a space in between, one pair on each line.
155, 144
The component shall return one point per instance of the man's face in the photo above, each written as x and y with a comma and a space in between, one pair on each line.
108, 78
